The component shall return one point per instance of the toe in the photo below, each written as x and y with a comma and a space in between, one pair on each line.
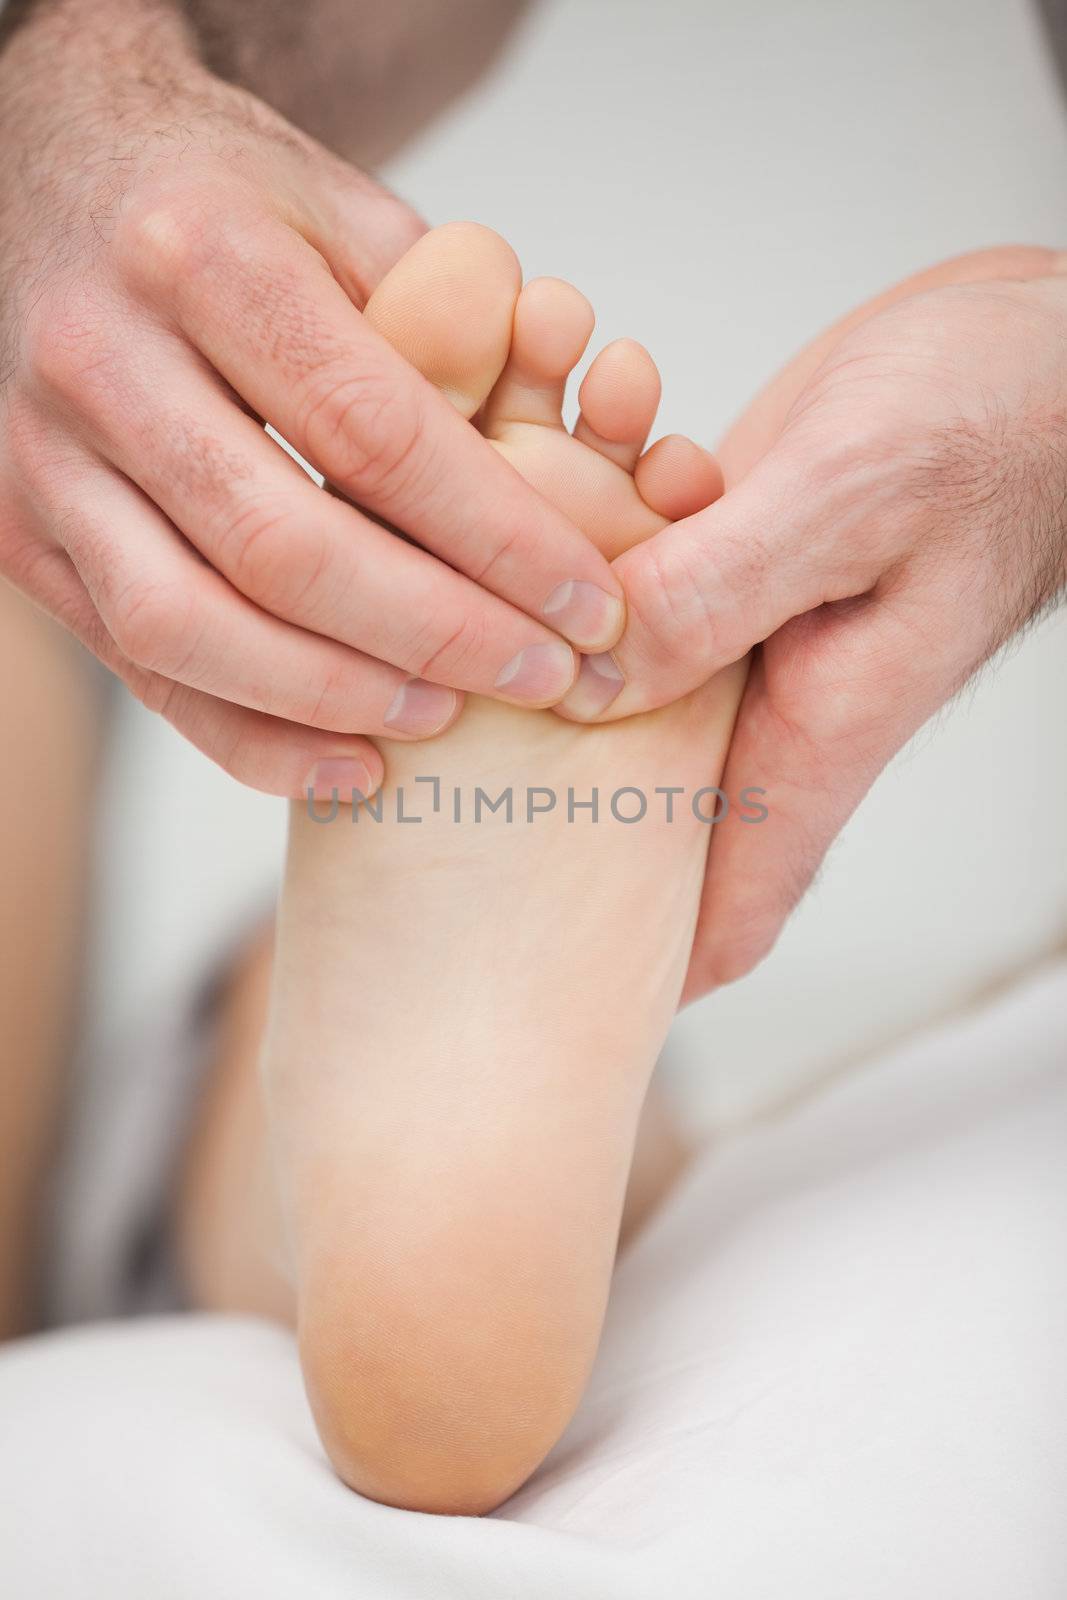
553, 324
619, 398
447, 307
677, 478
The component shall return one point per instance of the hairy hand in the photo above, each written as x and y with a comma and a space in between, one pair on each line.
178, 265
896, 510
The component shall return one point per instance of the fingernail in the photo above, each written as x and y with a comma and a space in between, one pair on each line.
586, 615
339, 775
541, 673
420, 708
599, 682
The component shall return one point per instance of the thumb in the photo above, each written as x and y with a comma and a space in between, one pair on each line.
702, 592
829, 701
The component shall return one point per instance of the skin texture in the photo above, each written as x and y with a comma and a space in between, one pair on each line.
895, 512
466, 1016
176, 261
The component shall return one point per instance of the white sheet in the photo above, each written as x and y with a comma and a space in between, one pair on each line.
832, 1368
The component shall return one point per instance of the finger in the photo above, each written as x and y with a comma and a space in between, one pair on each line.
361, 228
828, 702
267, 753
265, 310
675, 478
172, 615
263, 752
302, 555
704, 590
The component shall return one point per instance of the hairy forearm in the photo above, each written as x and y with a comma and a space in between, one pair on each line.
27, 25
358, 75
60, 58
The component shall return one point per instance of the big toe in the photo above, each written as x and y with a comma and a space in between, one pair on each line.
448, 306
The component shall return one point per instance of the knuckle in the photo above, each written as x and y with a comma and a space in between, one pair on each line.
270, 555
327, 702
670, 598
363, 426
151, 624
64, 344
511, 545
161, 240
843, 713
453, 658
823, 696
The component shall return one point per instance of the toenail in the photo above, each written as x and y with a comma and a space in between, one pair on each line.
585, 614
541, 674
599, 682
338, 778
420, 708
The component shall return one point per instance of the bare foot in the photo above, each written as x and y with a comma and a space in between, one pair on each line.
467, 1008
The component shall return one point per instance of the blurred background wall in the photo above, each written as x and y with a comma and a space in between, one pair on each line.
723, 179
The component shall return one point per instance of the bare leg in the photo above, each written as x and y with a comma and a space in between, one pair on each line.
48, 731
226, 1220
